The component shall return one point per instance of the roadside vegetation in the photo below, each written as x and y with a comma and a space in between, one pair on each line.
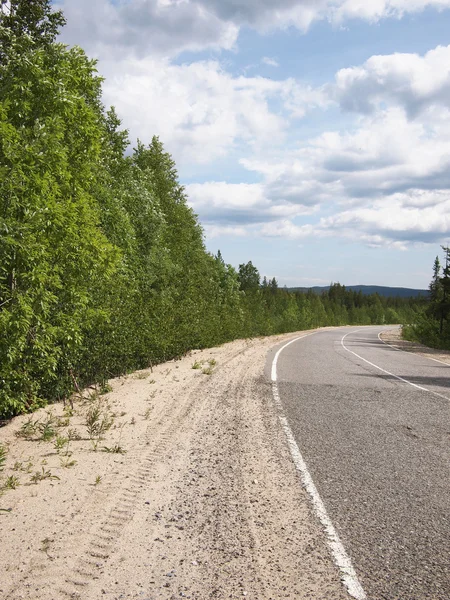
432, 324
103, 267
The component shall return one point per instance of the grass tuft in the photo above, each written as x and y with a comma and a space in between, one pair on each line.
11, 483
3, 454
40, 476
116, 449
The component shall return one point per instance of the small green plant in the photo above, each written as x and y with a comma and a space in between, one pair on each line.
116, 449
68, 411
62, 421
61, 443
67, 462
147, 414
11, 482
47, 429
28, 430
40, 476
19, 466
197, 365
98, 480
98, 421
45, 545
207, 371
3, 454
93, 396
47, 432
105, 388
141, 376
212, 362
73, 434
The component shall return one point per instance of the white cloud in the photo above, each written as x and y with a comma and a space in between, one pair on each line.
415, 82
387, 183
168, 27
144, 27
200, 111
272, 14
387, 167
300, 99
386, 180
387, 154
271, 62
393, 222
375, 10
239, 204
214, 231
286, 229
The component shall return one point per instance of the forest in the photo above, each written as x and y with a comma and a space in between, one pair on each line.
103, 265
432, 324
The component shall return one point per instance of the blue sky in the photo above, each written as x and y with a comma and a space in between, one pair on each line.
313, 136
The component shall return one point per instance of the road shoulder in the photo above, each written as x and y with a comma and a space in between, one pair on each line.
205, 501
393, 337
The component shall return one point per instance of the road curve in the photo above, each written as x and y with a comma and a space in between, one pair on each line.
373, 427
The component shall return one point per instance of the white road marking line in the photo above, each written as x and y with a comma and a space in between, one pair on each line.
419, 387
401, 350
340, 556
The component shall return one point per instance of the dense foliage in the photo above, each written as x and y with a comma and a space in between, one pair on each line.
432, 325
103, 267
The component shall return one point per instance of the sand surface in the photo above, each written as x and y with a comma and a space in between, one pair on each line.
191, 492
393, 337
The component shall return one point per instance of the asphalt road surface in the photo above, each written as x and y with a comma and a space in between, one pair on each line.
373, 426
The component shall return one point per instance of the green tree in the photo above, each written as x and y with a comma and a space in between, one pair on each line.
444, 300
435, 286
26, 24
52, 250
431, 324
249, 277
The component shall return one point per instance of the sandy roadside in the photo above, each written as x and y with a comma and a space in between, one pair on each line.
203, 503
393, 338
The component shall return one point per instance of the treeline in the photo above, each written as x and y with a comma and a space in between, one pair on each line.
103, 267
432, 324
268, 309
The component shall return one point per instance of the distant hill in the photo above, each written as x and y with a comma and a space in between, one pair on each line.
389, 292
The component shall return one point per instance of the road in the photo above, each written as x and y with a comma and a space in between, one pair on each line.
373, 427
204, 500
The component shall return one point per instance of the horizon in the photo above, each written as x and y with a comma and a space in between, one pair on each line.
349, 285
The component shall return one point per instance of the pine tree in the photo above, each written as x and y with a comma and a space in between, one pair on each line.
445, 300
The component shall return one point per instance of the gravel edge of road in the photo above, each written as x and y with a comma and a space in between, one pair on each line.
393, 337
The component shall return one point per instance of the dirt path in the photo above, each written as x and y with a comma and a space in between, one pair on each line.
205, 503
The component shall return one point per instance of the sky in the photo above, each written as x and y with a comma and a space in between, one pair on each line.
312, 136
